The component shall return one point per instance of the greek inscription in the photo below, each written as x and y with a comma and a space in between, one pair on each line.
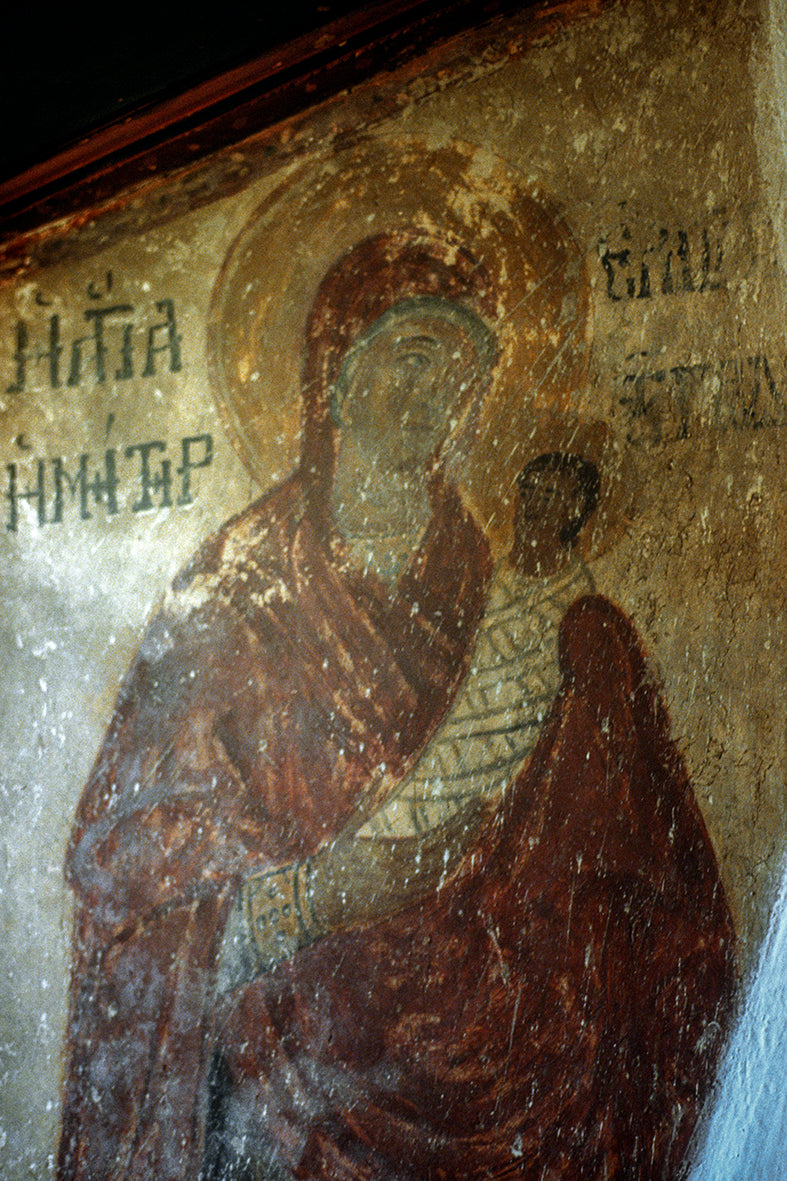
667, 403
141, 475
120, 342
668, 262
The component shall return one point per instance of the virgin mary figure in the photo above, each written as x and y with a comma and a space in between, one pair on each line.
272, 980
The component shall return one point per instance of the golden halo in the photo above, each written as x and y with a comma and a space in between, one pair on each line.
457, 192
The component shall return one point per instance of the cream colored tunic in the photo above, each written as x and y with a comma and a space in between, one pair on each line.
497, 713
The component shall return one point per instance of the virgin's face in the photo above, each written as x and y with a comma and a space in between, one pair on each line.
403, 387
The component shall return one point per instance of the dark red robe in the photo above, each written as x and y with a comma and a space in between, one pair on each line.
553, 1010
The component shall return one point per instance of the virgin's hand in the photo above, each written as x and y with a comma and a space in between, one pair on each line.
271, 920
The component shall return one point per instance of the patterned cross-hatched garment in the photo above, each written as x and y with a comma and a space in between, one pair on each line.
501, 704
554, 1008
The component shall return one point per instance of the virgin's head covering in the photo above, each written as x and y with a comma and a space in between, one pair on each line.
353, 234
377, 275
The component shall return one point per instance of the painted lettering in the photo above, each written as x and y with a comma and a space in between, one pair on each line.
668, 262
140, 477
106, 351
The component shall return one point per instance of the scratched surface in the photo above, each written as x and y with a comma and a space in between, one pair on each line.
151, 388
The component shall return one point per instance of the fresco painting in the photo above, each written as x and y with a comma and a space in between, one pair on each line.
360, 778
391, 531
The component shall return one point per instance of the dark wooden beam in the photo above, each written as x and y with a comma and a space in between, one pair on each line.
360, 61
